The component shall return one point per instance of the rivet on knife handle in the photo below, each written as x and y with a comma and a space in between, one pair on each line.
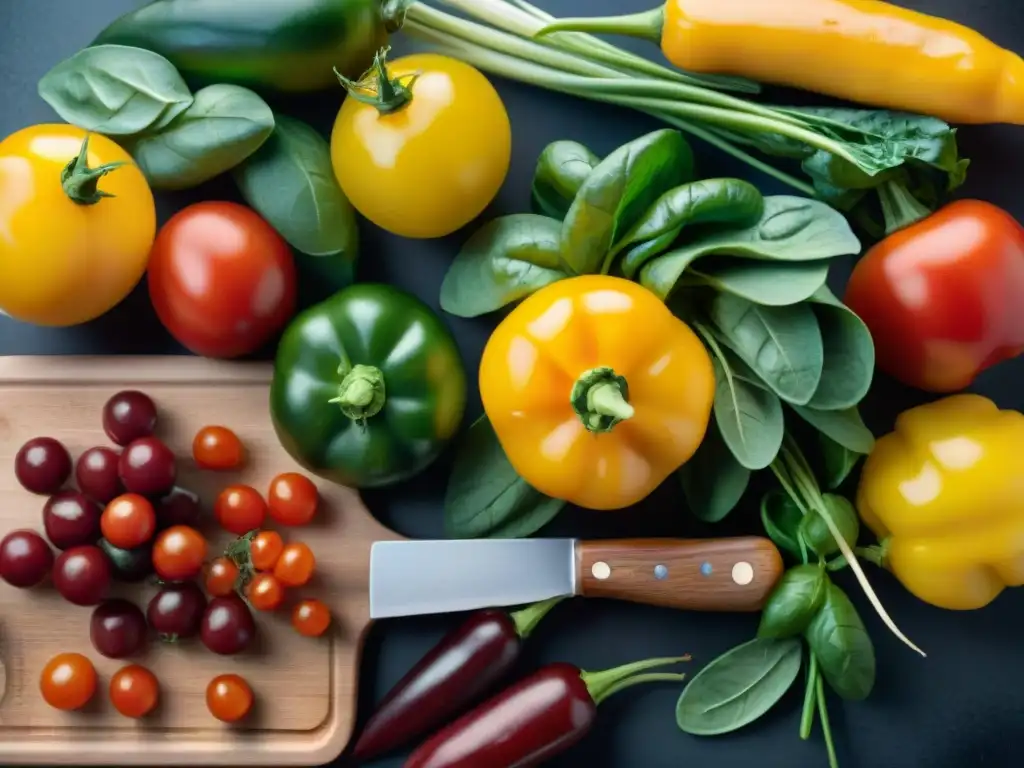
730, 574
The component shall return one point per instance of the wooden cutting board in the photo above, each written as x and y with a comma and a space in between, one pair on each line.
305, 688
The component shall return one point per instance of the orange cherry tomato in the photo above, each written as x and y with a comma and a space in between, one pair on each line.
217, 448
293, 499
311, 618
240, 509
229, 698
265, 592
68, 681
221, 577
178, 553
128, 521
295, 566
265, 549
134, 691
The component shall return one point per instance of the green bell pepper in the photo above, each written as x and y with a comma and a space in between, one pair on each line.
283, 45
368, 387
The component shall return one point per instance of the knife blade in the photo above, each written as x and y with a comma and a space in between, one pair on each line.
409, 578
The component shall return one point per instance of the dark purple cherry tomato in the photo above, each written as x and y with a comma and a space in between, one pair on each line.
71, 519
147, 467
42, 465
179, 507
25, 558
129, 415
96, 474
82, 575
129, 565
228, 626
117, 628
176, 611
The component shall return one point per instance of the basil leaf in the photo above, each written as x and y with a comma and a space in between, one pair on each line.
504, 261
618, 192
839, 461
769, 283
290, 182
485, 497
782, 344
713, 481
561, 169
815, 531
846, 427
739, 686
794, 601
712, 201
224, 125
116, 90
849, 364
840, 642
781, 519
750, 418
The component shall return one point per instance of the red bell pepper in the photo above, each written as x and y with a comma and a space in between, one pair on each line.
944, 297
533, 720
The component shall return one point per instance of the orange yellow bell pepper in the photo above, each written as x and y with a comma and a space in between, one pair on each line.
596, 391
866, 51
943, 494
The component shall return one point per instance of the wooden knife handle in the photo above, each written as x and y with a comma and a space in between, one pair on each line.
729, 574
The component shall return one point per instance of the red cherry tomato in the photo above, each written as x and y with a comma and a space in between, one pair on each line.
265, 549
128, 521
265, 592
292, 499
229, 698
178, 553
221, 279
221, 577
295, 565
217, 448
134, 691
68, 681
311, 618
240, 509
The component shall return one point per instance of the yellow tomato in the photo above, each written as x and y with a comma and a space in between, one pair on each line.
422, 149
69, 251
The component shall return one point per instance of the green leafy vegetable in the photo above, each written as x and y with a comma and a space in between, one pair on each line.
713, 480
561, 169
844, 427
797, 596
849, 363
841, 644
502, 262
116, 90
739, 686
750, 418
618, 192
781, 519
485, 497
770, 283
816, 534
223, 126
838, 460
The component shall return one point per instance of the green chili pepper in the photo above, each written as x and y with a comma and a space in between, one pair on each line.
284, 45
368, 387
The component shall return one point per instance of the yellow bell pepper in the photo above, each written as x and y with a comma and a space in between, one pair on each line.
866, 51
596, 391
943, 493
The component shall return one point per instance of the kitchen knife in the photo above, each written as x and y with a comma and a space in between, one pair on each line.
442, 576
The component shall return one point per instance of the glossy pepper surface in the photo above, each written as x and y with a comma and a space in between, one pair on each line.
284, 45
596, 391
944, 297
368, 387
866, 51
943, 494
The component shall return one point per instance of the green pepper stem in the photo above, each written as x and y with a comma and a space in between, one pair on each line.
599, 398
361, 392
646, 24
387, 95
603, 684
526, 619
80, 181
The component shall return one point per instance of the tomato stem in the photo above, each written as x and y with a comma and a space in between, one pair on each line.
361, 392
600, 399
80, 181
377, 88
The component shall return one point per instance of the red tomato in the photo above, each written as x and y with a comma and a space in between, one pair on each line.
292, 499
134, 691
264, 550
311, 618
229, 698
240, 509
178, 553
217, 448
221, 279
221, 577
295, 565
944, 298
128, 521
265, 592
68, 681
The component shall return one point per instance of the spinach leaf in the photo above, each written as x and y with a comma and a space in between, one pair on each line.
846, 427
224, 125
849, 363
770, 283
485, 497
815, 531
750, 418
618, 192
782, 344
739, 686
840, 642
116, 90
505, 260
838, 460
712, 201
781, 519
290, 182
713, 481
794, 601
561, 169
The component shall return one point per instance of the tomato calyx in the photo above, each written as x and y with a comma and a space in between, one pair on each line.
80, 181
377, 88
240, 553
600, 398
361, 392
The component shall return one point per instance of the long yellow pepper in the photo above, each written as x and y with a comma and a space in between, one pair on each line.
865, 51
